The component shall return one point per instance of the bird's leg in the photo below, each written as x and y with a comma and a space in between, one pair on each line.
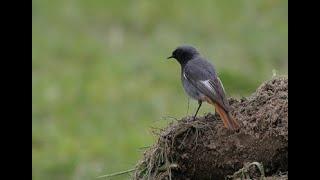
200, 103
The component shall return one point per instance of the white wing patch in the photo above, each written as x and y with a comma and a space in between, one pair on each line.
184, 75
209, 86
221, 84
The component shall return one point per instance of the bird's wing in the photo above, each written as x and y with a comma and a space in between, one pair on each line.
204, 78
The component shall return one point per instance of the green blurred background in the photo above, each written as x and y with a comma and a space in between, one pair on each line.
100, 79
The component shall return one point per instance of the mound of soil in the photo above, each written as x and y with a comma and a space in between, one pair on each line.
204, 149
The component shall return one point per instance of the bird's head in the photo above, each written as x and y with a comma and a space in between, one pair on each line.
184, 53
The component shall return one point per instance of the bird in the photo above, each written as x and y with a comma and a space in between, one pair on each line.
201, 82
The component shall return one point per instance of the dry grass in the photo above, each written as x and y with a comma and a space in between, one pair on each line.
157, 164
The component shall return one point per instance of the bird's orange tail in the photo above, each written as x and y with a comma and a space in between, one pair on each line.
228, 121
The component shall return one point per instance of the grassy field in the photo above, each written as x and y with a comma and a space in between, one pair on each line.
100, 79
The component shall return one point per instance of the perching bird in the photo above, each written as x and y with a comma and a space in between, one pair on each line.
201, 83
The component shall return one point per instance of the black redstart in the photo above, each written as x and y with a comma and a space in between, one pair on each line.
201, 83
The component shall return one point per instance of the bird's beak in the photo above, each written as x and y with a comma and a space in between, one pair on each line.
169, 57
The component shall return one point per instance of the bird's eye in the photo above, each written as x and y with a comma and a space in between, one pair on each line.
175, 53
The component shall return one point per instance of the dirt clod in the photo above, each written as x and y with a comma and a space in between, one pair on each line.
204, 149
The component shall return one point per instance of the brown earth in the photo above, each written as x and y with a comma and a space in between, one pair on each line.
204, 149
